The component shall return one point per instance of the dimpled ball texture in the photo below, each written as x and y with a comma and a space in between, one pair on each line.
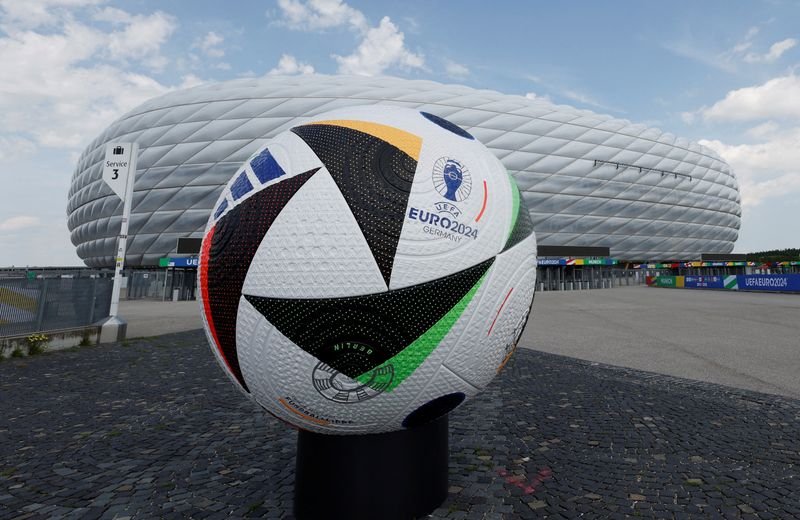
367, 271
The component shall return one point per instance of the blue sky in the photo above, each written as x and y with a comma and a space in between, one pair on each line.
723, 73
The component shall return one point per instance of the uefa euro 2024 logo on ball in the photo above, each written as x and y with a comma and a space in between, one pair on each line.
367, 271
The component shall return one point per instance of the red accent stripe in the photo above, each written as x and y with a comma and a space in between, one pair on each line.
204, 255
485, 196
498, 311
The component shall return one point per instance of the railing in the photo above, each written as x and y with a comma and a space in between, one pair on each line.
29, 304
160, 284
642, 169
594, 277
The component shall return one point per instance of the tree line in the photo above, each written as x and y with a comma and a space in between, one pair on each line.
775, 255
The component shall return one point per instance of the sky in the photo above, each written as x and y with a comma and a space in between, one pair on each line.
723, 73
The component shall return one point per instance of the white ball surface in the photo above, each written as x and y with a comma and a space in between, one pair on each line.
367, 271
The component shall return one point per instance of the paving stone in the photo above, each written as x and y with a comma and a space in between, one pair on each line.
537, 504
155, 430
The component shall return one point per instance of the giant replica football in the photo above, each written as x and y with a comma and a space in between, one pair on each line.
367, 271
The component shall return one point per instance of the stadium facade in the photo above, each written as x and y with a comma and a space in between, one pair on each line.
588, 179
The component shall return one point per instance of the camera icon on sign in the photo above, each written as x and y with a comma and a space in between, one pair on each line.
118, 150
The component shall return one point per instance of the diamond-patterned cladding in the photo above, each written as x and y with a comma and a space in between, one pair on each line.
192, 141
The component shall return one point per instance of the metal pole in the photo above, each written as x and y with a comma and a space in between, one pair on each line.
122, 241
42, 305
172, 284
94, 300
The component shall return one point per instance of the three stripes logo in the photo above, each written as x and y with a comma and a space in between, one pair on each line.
731, 283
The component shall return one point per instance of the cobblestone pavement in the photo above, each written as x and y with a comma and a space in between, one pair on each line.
152, 429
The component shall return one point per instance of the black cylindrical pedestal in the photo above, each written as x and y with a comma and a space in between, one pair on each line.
398, 475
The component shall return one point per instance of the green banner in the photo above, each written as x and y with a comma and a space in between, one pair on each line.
665, 281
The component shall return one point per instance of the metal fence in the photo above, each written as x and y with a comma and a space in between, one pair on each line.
594, 277
160, 284
38, 304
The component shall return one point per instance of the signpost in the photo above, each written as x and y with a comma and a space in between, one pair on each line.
119, 173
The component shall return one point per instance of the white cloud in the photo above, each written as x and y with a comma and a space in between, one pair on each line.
729, 59
18, 223
14, 147
694, 51
586, 99
534, 78
780, 153
763, 131
112, 15
381, 48
778, 98
135, 37
754, 193
189, 81
581, 98
745, 44
536, 97
775, 52
765, 170
288, 65
60, 86
210, 45
569, 93
142, 39
38, 13
455, 70
69, 68
321, 14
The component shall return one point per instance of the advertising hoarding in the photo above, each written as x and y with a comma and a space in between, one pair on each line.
769, 282
703, 282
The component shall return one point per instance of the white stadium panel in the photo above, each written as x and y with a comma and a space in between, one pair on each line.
668, 198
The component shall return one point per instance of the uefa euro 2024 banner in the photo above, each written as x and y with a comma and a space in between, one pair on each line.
746, 282
769, 282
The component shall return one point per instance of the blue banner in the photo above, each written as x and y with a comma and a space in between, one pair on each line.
182, 262
552, 261
703, 282
769, 282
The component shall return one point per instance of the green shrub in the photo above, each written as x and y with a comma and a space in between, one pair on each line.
37, 343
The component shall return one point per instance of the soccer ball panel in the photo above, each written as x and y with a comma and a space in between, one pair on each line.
497, 317
282, 379
372, 174
314, 249
228, 247
457, 214
282, 158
